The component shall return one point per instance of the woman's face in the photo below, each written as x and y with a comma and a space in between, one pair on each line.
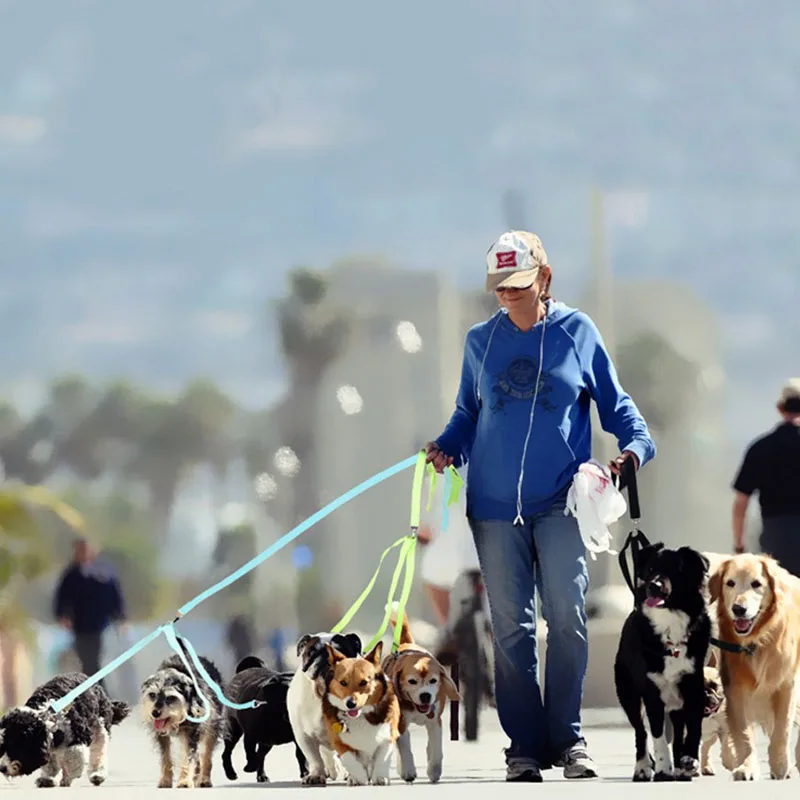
519, 299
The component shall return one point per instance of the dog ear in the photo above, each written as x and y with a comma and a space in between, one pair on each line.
777, 577
354, 641
194, 703
715, 581
302, 642
334, 656
374, 656
694, 562
450, 688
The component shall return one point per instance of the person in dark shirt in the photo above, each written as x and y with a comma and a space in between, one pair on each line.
771, 467
87, 600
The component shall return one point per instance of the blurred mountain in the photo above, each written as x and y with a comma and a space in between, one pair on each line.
163, 164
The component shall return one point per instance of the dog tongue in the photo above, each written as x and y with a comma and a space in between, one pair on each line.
742, 624
353, 712
158, 724
423, 708
653, 602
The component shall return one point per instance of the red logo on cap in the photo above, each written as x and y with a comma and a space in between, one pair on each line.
507, 260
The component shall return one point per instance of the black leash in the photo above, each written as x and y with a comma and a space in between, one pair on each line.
636, 540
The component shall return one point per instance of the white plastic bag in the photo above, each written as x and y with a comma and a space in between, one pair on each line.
596, 503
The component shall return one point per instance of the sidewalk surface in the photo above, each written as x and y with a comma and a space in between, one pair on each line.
477, 767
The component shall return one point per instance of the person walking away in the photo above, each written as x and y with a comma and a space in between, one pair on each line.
771, 467
522, 422
88, 599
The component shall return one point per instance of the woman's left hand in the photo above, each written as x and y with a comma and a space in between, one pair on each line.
616, 465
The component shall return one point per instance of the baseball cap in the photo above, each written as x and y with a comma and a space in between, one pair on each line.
513, 261
790, 395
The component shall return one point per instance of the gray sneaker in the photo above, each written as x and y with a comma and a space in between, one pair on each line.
576, 763
523, 771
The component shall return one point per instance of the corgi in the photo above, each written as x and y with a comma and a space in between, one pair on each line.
362, 715
423, 688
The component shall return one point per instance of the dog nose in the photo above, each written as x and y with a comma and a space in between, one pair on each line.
425, 697
3, 769
738, 611
351, 703
156, 713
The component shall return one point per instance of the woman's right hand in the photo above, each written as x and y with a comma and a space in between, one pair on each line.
436, 457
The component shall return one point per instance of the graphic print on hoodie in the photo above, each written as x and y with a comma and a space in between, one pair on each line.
493, 408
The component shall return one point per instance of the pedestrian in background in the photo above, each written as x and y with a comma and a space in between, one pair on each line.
771, 468
88, 599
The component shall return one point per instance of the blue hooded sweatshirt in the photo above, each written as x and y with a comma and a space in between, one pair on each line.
494, 413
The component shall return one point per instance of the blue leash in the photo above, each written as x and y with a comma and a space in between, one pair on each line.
168, 629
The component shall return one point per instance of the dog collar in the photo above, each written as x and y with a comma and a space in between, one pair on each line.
730, 647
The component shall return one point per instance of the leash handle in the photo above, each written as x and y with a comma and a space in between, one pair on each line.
627, 479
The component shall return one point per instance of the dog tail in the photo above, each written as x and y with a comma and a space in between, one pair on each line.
119, 711
405, 629
249, 662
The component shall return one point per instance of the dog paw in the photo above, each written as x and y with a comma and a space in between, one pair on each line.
262, 777
353, 781
314, 780
97, 778
206, 784
381, 780
248, 767
45, 783
184, 784
230, 774
708, 770
687, 769
409, 776
743, 774
434, 772
663, 777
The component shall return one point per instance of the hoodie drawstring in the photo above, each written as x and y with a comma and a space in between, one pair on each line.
518, 519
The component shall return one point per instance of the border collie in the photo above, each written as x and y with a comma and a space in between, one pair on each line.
660, 658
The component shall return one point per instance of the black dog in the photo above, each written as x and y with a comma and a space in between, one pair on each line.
662, 650
34, 737
263, 727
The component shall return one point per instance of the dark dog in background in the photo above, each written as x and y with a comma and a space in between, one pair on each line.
169, 697
263, 727
660, 659
34, 737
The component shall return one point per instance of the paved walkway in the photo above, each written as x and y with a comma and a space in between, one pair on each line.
476, 767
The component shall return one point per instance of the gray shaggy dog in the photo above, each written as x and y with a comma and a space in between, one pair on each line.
168, 698
34, 737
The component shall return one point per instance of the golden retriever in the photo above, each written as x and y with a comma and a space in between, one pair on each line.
758, 611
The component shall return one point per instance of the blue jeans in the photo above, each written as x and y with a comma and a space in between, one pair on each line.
544, 556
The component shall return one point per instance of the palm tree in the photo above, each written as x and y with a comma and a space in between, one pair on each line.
25, 555
313, 332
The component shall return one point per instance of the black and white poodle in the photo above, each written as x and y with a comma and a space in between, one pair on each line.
34, 737
263, 727
168, 698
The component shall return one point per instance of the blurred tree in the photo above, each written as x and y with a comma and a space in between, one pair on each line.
313, 332
24, 556
659, 379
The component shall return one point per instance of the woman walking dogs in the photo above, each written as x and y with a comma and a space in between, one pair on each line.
522, 421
